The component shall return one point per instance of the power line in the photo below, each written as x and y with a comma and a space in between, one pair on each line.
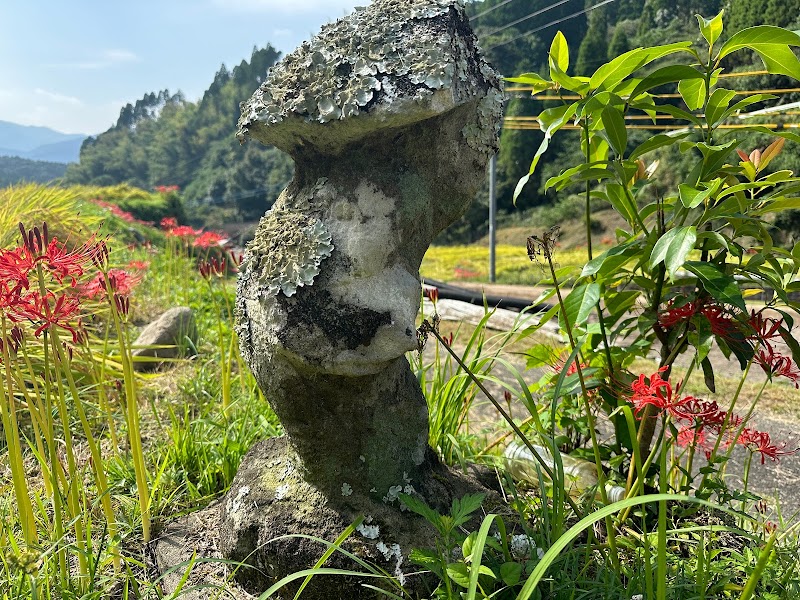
488, 10
526, 17
556, 22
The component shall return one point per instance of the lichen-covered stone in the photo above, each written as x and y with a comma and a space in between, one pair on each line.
287, 251
390, 115
390, 64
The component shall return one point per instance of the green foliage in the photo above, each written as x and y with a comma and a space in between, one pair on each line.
594, 47
15, 171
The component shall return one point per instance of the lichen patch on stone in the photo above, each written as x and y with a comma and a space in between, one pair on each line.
286, 252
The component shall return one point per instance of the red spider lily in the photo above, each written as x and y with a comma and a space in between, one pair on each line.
694, 436
760, 441
169, 223
657, 392
432, 293
720, 319
119, 212
37, 309
166, 189
673, 316
211, 267
119, 280
774, 364
701, 412
15, 266
63, 263
764, 328
182, 231
139, 265
207, 239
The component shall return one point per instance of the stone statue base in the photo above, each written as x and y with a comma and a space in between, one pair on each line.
270, 505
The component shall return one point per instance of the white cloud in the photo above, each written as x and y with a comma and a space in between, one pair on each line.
336, 7
58, 98
107, 58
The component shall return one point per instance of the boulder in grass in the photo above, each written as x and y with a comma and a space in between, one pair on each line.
164, 338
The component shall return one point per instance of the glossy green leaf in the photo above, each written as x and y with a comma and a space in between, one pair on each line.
538, 83
657, 141
665, 75
761, 34
559, 52
720, 285
693, 92
717, 105
711, 28
580, 302
673, 247
614, 128
772, 44
708, 375
622, 252
550, 120
691, 196
613, 72
616, 195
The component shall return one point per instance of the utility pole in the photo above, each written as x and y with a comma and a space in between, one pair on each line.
492, 217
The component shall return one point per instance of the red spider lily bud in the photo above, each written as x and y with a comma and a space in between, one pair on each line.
118, 385
205, 269
123, 304
27, 239
236, 259
770, 527
507, 396
433, 294
761, 506
67, 349
79, 335
449, 339
16, 338
100, 255
219, 267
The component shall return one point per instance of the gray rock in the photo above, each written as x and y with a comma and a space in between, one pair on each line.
163, 338
390, 115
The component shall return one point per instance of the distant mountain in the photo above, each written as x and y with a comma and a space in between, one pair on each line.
39, 143
15, 170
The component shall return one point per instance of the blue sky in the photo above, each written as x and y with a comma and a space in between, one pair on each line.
72, 64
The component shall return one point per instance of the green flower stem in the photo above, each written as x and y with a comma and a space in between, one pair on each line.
547, 469
601, 476
94, 449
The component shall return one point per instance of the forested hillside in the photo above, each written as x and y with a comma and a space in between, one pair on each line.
163, 139
14, 170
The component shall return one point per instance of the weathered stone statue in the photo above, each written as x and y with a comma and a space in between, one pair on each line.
390, 115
